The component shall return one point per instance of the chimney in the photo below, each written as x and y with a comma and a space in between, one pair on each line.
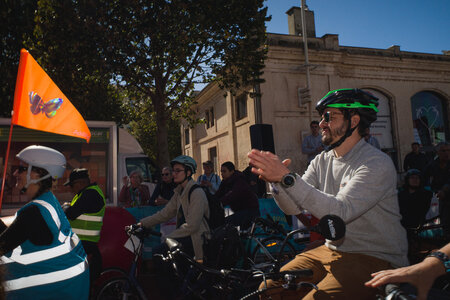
295, 21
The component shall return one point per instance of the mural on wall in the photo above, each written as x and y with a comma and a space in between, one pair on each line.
428, 118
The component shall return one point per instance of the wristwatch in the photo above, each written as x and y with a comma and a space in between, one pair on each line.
288, 180
442, 257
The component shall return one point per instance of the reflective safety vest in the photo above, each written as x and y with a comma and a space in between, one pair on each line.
88, 226
55, 271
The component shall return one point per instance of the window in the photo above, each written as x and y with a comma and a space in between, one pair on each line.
209, 117
141, 164
212, 154
186, 136
241, 106
429, 118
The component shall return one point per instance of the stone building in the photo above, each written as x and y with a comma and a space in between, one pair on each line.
413, 91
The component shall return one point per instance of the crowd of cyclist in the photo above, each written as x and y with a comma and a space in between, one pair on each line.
43, 255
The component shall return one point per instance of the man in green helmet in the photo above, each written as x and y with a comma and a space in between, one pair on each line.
350, 179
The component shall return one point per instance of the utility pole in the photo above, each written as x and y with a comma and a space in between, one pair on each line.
304, 94
257, 103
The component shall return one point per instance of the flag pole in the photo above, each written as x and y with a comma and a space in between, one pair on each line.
6, 162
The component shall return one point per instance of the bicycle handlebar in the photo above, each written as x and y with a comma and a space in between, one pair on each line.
296, 273
140, 231
270, 223
395, 292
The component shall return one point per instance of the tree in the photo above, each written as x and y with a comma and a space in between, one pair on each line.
147, 55
161, 48
17, 19
66, 44
143, 127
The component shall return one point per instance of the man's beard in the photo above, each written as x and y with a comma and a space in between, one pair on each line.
327, 140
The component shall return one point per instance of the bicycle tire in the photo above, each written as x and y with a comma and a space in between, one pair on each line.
281, 252
115, 289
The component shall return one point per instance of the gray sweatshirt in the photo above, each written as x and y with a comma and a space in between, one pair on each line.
360, 187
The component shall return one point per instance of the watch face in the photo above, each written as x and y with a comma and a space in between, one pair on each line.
288, 180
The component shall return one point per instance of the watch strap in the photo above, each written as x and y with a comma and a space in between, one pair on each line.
288, 175
442, 257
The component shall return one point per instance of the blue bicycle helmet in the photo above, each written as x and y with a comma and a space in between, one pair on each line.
185, 160
411, 172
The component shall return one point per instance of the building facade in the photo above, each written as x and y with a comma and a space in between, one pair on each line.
413, 91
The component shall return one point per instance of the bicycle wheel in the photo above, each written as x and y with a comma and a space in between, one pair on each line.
279, 251
117, 289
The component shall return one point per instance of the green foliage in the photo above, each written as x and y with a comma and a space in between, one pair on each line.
162, 48
17, 23
139, 60
65, 43
144, 127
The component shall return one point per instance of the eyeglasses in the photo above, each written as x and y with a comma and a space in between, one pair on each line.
177, 170
165, 174
328, 116
21, 169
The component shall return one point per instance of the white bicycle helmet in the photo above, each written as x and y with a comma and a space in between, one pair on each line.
45, 158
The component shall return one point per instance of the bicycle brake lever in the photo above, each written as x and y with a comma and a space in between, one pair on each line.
295, 286
307, 284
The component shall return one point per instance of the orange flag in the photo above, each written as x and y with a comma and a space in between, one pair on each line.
39, 104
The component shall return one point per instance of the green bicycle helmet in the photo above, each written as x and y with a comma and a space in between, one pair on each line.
364, 103
185, 160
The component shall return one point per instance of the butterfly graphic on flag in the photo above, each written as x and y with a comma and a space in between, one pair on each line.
38, 105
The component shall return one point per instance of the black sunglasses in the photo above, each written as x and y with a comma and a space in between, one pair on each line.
327, 116
21, 169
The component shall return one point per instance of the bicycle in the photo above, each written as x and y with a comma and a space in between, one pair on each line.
120, 284
277, 251
261, 246
406, 291
203, 282
424, 239
265, 244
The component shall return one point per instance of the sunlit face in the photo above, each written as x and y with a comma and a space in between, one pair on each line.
315, 129
207, 169
335, 128
178, 173
166, 175
225, 172
135, 180
21, 180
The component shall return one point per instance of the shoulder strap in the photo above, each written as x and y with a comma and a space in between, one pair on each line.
191, 190
195, 186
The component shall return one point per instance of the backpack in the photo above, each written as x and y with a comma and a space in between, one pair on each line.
216, 211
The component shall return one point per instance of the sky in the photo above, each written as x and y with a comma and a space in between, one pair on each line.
417, 26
